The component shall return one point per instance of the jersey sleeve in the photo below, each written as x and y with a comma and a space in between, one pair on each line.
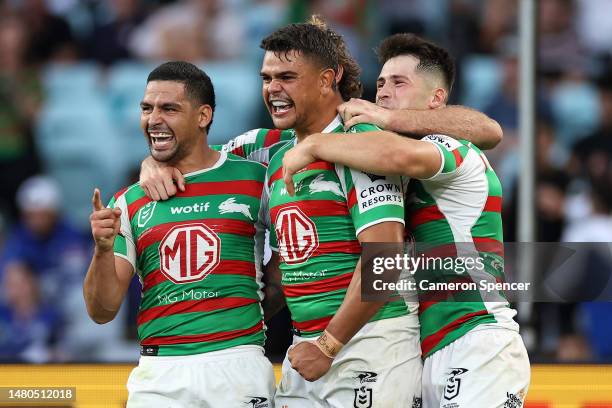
452, 154
371, 199
124, 246
257, 144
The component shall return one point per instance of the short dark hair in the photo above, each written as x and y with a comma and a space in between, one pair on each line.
432, 58
315, 40
198, 86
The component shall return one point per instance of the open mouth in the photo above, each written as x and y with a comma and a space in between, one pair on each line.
280, 107
161, 140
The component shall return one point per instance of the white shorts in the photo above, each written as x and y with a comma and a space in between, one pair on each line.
488, 367
237, 377
380, 367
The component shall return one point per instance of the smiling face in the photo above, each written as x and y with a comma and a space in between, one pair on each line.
401, 85
290, 89
171, 122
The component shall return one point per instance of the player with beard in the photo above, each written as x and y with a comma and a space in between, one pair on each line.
474, 355
197, 255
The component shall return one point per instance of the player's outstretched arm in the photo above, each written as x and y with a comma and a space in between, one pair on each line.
108, 277
312, 360
158, 179
378, 152
275, 299
456, 121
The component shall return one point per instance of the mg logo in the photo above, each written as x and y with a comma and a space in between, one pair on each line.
189, 252
297, 235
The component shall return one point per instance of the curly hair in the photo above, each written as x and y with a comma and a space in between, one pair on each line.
315, 40
432, 58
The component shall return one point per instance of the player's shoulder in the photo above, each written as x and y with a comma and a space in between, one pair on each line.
129, 193
246, 164
446, 141
363, 127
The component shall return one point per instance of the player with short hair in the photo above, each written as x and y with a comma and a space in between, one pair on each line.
344, 350
198, 257
474, 355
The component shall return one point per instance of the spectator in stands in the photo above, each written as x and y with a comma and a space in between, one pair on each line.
54, 41
20, 98
191, 30
56, 252
28, 327
560, 51
597, 148
109, 42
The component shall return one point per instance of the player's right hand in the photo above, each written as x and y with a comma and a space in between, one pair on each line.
105, 223
157, 180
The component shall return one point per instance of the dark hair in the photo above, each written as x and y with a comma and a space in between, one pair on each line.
198, 86
432, 58
313, 39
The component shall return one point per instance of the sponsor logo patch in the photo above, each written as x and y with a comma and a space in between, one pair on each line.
188, 253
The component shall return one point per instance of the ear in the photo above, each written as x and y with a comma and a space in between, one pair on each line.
438, 98
205, 115
329, 79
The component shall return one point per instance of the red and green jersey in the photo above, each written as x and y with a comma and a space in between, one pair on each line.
315, 232
458, 212
198, 257
258, 144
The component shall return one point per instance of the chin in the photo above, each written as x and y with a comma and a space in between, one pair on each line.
283, 123
163, 157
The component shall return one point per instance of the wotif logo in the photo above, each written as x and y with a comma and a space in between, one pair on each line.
195, 208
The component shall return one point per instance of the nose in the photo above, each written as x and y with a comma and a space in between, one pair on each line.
274, 86
383, 92
154, 117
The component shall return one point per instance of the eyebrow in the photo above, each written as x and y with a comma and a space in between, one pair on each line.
393, 77
164, 105
283, 73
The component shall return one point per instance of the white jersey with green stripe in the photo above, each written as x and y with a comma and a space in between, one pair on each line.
315, 232
457, 212
198, 256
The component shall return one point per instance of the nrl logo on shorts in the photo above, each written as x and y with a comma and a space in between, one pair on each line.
145, 213
258, 402
453, 384
363, 397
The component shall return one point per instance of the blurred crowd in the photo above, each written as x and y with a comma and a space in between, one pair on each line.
72, 73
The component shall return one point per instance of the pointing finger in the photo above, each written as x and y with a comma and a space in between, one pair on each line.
96, 201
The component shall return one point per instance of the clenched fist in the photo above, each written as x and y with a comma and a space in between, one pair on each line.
105, 223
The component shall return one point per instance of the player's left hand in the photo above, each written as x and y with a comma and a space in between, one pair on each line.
308, 360
294, 160
357, 111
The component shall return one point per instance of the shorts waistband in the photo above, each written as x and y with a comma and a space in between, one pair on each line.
232, 352
408, 322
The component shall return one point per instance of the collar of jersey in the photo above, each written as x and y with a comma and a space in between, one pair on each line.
218, 163
328, 129
333, 125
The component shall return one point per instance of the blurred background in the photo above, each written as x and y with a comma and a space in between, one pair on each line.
72, 73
